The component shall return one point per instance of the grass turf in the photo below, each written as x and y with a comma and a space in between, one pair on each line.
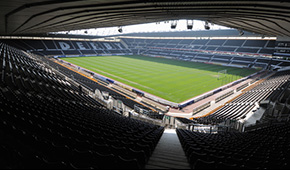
172, 80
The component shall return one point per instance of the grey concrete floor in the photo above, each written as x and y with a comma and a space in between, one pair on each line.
168, 153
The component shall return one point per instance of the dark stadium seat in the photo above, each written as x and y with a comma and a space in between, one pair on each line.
238, 108
83, 160
47, 123
201, 164
260, 148
255, 43
92, 85
165, 47
65, 47
230, 49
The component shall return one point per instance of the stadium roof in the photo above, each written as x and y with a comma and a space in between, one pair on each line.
271, 18
198, 33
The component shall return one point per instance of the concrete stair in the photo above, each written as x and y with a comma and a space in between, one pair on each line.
168, 153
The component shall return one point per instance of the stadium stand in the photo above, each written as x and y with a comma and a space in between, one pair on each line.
243, 104
46, 115
69, 47
57, 115
63, 48
46, 122
245, 53
266, 147
277, 105
92, 85
242, 53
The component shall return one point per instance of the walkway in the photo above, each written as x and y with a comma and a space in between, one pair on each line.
168, 153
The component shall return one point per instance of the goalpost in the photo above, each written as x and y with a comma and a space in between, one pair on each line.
222, 74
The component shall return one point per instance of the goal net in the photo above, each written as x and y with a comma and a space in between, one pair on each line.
222, 74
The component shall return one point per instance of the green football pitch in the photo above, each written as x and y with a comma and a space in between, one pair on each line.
172, 80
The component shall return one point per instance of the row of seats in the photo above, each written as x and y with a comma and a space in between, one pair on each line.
232, 59
197, 43
277, 106
241, 106
64, 47
142, 110
92, 85
46, 122
216, 50
266, 148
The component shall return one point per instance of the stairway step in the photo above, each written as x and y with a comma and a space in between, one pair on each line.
168, 165
172, 158
169, 161
154, 167
168, 153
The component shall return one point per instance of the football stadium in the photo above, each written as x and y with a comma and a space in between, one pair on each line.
144, 84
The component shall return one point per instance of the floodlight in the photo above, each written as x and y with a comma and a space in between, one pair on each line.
206, 25
173, 24
241, 32
189, 24
120, 30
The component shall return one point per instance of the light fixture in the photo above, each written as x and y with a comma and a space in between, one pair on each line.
241, 32
120, 29
263, 36
206, 25
189, 24
173, 24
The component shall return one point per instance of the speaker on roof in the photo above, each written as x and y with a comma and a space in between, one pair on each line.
206, 25
189, 24
173, 24
120, 29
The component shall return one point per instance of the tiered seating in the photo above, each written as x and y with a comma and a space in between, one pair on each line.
277, 105
240, 107
67, 47
216, 50
220, 98
266, 148
184, 120
48, 123
246, 46
219, 50
148, 113
201, 108
92, 85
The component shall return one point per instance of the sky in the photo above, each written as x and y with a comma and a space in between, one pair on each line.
164, 26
